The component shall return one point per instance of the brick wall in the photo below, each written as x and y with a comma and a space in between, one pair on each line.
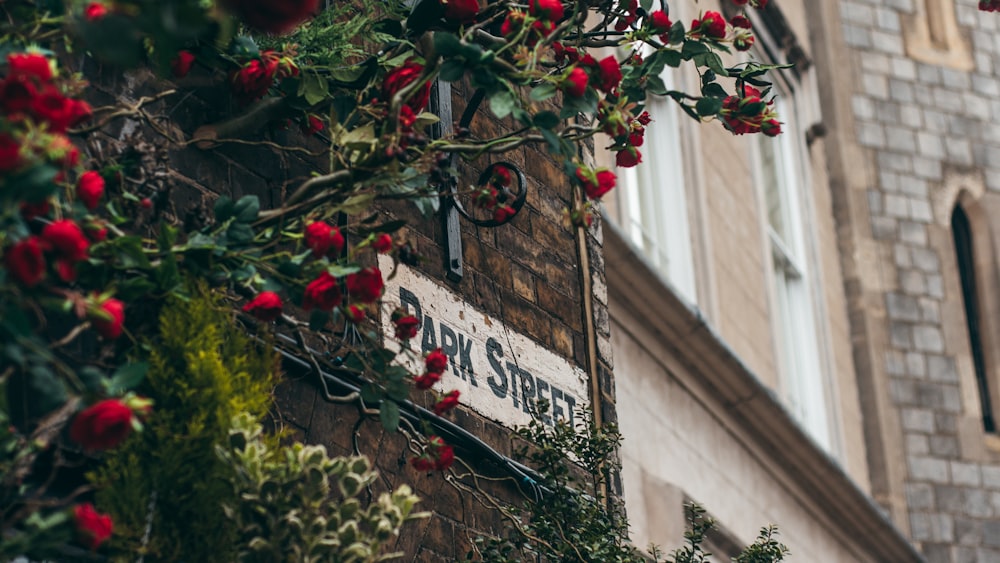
526, 273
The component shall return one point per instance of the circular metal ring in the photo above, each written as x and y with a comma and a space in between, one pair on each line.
516, 204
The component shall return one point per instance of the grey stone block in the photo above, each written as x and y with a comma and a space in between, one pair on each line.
915, 365
991, 476
902, 308
926, 259
928, 338
966, 474
896, 206
912, 282
900, 335
942, 368
944, 446
930, 311
913, 233
920, 496
918, 420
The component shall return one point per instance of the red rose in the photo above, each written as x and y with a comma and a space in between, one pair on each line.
503, 213
605, 182
323, 239
406, 326
644, 118
365, 286
110, 328
313, 125
93, 528
67, 239
182, 63
512, 23
551, 10
89, 189
31, 65
712, 25
427, 380
16, 94
355, 314
94, 11
102, 426
266, 306
382, 243
460, 11
406, 119
31, 210
659, 22
576, 82
611, 73
740, 21
501, 176
445, 457
96, 232
446, 403
254, 79
322, 293
636, 138
10, 154
25, 262
771, 128
422, 463
436, 361
273, 16
743, 42
403, 76
628, 157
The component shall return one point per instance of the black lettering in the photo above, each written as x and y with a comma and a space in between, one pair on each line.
527, 391
541, 384
571, 403
406, 299
512, 368
449, 345
429, 341
465, 358
557, 410
493, 353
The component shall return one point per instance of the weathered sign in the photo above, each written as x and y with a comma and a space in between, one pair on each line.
500, 373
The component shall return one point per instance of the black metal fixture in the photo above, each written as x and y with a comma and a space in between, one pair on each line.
451, 206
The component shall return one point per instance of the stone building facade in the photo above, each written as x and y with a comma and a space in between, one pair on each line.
891, 118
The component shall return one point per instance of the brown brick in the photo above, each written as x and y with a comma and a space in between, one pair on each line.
560, 306
524, 282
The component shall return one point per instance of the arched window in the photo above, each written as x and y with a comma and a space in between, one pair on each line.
962, 235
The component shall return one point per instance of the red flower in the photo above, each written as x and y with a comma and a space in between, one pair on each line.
365, 286
266, 306
30, 65
95, 11
598, 183
322, 293
16, 94
712, 25
512, 23
771, 128
422, 463
254, 79
740, 21
182, 63
445, 457
406, 118
636, 138
355, 314
313, 125
436, 361
96, 231
323, 239
427, 380
446, 403
25, 262
273, 16
659, 22
406, 325
611, 73
89, 189
628, 157
102, 426
31, 210
67, 239
93, 527
10, 154
501, 176
503, 213
110, 328
382, 243
551, 10
644, 118
460, 11
402, 77
576, 82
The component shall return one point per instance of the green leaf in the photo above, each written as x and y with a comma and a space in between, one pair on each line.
93, 379
656, 86
446, 44
502, 103
543, 91
247, 208
243, 273
396, 374
708, 106
398, 390
127, 377
240, 233
646, 5
546, 120
713, 62
131, 253
339, 271
428, 206
134, 288
452, 70
370, 393
389, 415
224, 208
714, 89
676, 33
357, 203
313, 88
51, 393
692, 48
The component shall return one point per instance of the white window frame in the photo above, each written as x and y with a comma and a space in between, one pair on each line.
652, 203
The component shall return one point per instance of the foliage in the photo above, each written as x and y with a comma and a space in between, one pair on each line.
573, 520
296, 504
204, 370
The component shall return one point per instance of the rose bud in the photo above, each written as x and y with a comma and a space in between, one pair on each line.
25, 262
182, 63
322, 293
406, 325
382, 243
108, 318
92, 527
103, 425
446, 403
576, 82
355, 314
266, 306
323, 239
436, 361
89, 189
365, 286
427, 380
94, 11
